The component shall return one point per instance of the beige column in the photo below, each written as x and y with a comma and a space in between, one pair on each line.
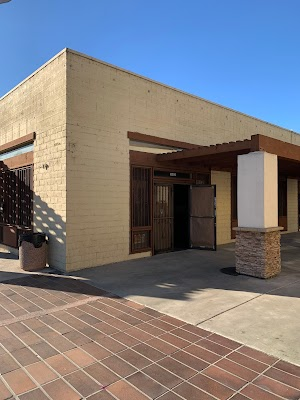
258, 234
292, 205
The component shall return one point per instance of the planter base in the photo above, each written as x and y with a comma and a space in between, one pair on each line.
257, 252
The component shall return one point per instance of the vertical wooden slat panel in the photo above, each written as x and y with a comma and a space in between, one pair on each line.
143, 187
140, 208
172, 216
17, 196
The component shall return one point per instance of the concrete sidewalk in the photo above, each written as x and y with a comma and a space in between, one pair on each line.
189, 285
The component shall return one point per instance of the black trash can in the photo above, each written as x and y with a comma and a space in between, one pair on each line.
32, 251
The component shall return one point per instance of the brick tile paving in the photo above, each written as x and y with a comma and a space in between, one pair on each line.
63, 339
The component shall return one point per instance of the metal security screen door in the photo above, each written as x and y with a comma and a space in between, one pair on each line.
203, 217
163, 218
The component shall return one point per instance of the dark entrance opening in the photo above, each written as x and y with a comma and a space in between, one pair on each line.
184, 217
181, 217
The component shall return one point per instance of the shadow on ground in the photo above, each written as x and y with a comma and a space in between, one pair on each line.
7, 256
48, 282
178, 275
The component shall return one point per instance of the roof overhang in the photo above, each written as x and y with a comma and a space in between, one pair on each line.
225, 155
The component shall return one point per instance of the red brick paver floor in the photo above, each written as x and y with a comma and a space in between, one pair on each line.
63, 339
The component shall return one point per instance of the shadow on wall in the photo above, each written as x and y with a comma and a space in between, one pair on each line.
52, 224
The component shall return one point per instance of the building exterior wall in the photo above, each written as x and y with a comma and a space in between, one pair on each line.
222, 180
38, 104
81, 110
292, 205
156, 109
103, 104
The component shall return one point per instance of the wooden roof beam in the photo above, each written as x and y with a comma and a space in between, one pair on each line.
239, 146
284, 150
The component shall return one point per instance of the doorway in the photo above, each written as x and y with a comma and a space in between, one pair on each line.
181, 217
184, 217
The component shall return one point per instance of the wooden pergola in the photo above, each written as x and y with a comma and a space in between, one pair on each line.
224, 156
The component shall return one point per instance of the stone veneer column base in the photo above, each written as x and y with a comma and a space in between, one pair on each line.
257, 251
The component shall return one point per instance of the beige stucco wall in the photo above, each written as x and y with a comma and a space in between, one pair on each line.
103, 104
292, 205
156, 109
38, 105
222, 180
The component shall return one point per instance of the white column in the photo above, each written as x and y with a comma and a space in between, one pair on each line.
258, 235
257, 190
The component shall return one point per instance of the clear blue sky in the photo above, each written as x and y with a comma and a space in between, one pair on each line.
243, 54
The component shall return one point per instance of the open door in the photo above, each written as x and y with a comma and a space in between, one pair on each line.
203, 217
